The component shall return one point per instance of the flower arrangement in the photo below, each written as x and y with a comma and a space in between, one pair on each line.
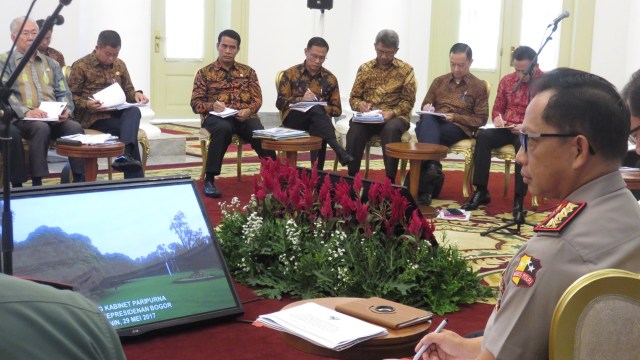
303, 235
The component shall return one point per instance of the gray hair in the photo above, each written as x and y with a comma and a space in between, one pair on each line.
388, 38
17, 23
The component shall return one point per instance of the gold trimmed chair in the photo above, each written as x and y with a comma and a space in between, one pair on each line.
598, 317
205, 140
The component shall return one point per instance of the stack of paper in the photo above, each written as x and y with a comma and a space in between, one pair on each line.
91, 139
224, 113
422, 112
53, 109
304, 106
280, 133
322, 326
373, 116
113, 98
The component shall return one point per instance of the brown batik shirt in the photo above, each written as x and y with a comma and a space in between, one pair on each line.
391, 89
88, 76
55, 55
238, 88
297, 79
468, 101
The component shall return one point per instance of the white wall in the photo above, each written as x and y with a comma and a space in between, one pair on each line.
280, 29
615, 52
83, 22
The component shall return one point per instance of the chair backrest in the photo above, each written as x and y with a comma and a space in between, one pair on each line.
598, 317
278, 78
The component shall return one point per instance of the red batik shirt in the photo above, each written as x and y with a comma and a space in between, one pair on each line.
512, 104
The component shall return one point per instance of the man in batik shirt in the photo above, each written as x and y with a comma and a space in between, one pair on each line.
387, 84
222, 84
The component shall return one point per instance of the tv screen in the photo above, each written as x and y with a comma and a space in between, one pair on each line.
143, 251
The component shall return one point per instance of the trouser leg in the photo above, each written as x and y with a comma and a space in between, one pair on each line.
357, 137
245, 129
392, 131
69, 127
221, 130
38, 135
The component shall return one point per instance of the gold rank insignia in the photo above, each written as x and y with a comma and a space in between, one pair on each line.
561, 216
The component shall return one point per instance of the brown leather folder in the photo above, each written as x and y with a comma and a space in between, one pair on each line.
383, 312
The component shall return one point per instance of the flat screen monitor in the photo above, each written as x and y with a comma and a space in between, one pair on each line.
143, 251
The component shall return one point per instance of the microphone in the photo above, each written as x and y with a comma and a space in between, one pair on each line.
564, 14
59, 20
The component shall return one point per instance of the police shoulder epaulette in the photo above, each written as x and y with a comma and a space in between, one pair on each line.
560, 217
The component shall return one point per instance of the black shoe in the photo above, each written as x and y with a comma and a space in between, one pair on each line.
480, 197
126, 163
344, 158
210, 189
424, 199
433, 171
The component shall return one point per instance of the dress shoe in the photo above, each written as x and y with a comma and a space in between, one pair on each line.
210, 189
424, 199
126, 163
478, 198
344, 158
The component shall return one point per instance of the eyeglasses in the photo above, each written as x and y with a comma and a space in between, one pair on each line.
524, 137
386, 53
317, 58
632, 134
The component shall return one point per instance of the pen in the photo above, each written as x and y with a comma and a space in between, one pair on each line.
501, 119
425, 346
314, 95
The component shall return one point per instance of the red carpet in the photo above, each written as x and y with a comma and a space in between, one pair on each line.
234, 339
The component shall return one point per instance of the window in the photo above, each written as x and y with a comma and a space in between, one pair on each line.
480, 29
184, 21
536, 16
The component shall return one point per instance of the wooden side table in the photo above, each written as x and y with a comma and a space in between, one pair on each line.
632, 178
90, 154
416, 153
292, 146
396, 344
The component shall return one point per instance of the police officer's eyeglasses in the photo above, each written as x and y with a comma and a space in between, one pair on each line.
524, 137
632, 134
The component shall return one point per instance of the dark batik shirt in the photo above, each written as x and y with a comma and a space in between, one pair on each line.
41, 80
88, 76
297, 79
55, 55
391, 89
467, 101
512, 105
238, 88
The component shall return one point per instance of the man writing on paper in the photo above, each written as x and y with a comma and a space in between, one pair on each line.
384, 83
222, 84
463, 99
508, 114
310, 81
94, 72
41, 80
573, 139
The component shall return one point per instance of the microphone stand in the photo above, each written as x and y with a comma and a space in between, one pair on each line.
7, 114
519, 218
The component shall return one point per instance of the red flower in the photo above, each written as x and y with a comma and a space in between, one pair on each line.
327, 208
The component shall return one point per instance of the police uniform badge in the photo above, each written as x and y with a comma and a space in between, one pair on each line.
524, 275
560, 217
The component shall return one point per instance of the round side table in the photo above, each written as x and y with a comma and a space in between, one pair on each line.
416, 153
90, 154
292, 146
396, 344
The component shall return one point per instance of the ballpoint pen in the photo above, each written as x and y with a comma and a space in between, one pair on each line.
501, 119
425, 346
314, 95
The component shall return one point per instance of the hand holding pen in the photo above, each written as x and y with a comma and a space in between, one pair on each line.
218, 106
309, 96
426, 346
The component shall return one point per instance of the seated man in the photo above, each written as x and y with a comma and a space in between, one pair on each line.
310, 81
631, 95
227, 83
507, 114
41, 80
41, 322
46, 49
384, 83
573, 137
95, 72
463, 99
